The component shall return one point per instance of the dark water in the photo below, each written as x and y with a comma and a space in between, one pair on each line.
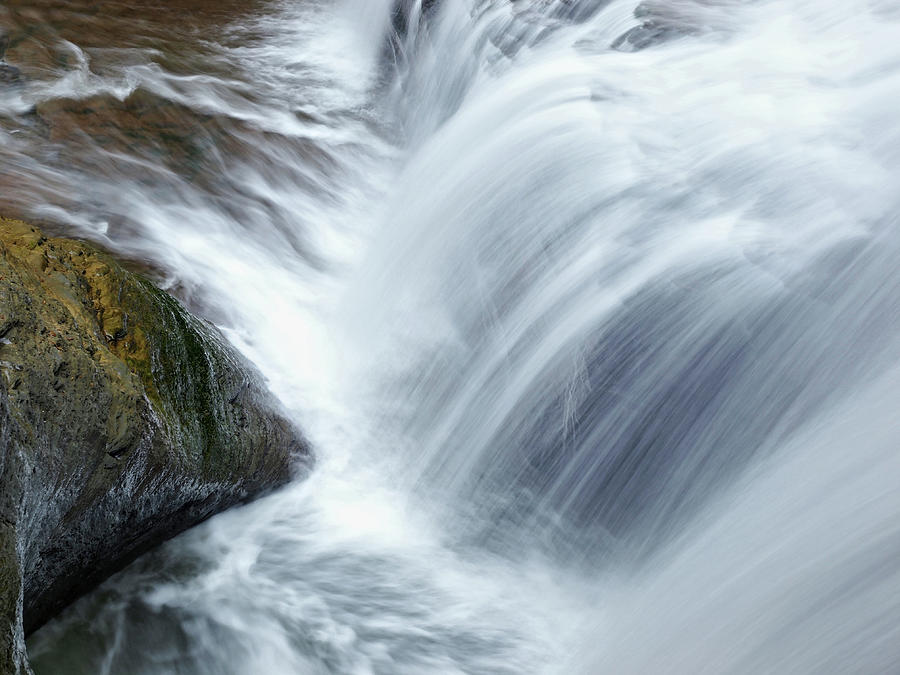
598, 345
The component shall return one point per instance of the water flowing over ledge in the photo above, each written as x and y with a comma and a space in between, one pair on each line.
603, 299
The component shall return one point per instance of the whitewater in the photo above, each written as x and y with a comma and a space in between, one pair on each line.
590, 310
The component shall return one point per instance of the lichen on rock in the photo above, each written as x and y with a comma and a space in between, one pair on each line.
125, 420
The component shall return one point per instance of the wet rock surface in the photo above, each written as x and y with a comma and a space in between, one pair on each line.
123, 421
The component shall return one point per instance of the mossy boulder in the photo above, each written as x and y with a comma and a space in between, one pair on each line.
123, 421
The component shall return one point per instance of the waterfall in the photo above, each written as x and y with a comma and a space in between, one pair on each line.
590, 308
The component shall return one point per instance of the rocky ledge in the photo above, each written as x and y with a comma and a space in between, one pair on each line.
123, 421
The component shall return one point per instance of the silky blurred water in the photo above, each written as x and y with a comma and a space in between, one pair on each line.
590, 309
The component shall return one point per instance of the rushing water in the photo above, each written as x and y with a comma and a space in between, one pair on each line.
591, 310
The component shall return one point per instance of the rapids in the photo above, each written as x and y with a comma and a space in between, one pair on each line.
590, 308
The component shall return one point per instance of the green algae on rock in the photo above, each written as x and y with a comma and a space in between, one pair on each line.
125, 420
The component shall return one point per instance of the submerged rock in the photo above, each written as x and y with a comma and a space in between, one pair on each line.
9, 75
123, 421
